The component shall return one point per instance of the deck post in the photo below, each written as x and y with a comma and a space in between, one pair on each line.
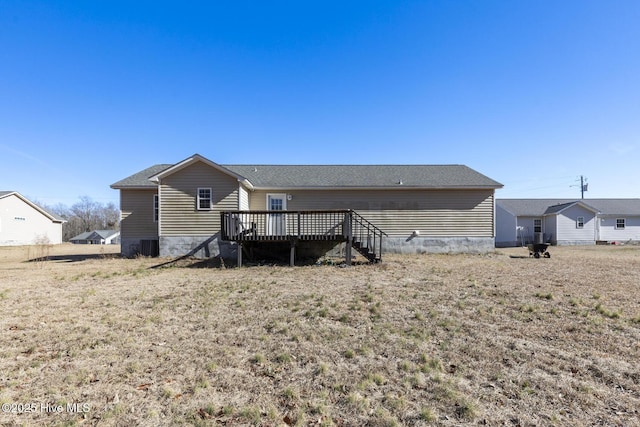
349, 235
292, 254
239, 254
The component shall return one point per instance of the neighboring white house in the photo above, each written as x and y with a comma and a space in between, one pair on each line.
97, 237
22, 222
566, 221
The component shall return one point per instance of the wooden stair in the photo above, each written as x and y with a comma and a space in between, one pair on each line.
366, 238
366, 252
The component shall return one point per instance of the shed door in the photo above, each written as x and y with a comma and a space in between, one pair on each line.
277, 222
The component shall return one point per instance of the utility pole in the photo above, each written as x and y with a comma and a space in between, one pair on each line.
583, 186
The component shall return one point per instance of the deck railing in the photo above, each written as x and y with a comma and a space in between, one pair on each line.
328, 225
283, 225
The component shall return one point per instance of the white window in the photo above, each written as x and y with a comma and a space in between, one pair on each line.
276, 204
204, 199
620, 223
156, 208
537, 226
580, 222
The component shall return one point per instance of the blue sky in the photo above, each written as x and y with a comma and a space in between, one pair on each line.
531, 93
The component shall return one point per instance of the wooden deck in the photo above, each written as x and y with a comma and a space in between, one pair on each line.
347, 226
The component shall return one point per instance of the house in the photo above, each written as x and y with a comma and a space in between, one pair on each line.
567, 221
97, 237
23, 222
202, 208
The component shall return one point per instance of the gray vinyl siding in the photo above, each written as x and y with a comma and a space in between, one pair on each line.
137, 214
609, 232
550, 224
526, 222
566, 225
506, 227
451, 213
178, 193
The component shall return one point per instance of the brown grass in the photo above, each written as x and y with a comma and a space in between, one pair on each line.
498, 339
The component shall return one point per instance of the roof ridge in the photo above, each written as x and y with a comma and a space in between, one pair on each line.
342, 164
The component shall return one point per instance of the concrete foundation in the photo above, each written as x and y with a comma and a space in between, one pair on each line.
509, 244
515, 244
437, 245
429, 245
574, 242
213, 246
197, 247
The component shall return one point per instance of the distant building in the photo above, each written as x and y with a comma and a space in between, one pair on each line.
567, 221
22, 222
97, 237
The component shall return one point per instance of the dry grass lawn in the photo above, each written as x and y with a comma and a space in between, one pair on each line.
496, 339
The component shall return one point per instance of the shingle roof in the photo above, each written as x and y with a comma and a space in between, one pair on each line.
616, 206
55, 216
539, 207
557, 208
105, 234
340, 176
371, 176
141, 179
530, 207
81, 236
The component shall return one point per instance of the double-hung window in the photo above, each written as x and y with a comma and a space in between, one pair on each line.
580, 222
620, 223
537, 226
156, 208
204, 199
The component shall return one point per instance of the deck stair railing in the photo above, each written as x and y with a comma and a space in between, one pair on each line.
367, 238
329, 225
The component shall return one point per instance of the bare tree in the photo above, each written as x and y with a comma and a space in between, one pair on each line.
60, 209
86, 215
110, 216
